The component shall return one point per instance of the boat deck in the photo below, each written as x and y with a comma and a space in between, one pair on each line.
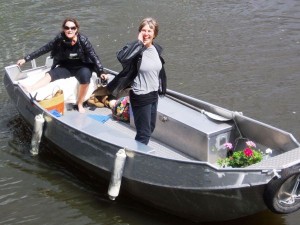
161, 149
281, 161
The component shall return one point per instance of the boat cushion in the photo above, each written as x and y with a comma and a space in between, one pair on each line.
69, 87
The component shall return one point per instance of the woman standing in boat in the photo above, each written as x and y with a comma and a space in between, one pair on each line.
73, 55
143, 70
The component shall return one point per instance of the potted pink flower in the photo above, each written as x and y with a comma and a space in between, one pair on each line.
241, 158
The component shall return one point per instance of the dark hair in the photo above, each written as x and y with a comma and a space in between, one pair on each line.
152, 24
71, 20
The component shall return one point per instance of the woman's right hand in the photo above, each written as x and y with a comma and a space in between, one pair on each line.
21, 62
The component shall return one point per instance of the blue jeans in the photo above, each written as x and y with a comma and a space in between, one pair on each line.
144, 120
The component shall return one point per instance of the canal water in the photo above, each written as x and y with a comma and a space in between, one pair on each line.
241, 55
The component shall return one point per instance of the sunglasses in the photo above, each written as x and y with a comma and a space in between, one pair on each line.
70, 28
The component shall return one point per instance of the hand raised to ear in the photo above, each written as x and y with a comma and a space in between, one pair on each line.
140, 37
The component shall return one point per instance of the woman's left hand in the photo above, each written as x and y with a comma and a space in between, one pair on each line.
104, 76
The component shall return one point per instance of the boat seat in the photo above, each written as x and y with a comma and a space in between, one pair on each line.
68, 85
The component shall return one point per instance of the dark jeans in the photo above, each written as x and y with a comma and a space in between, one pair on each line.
144, 120
83, 74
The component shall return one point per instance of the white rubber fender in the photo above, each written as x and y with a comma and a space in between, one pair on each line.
116, 175
37, 134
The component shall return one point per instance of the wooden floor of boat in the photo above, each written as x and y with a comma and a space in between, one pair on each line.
161, 149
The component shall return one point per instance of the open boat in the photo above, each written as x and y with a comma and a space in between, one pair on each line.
177, 171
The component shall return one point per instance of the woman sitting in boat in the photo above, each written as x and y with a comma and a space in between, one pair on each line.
73, 55
143, 70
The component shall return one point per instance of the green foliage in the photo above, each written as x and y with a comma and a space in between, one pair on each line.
241, 158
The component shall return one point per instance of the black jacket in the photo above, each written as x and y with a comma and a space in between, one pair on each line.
130, 57
86, 52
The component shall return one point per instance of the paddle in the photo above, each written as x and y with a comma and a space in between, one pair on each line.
208, 114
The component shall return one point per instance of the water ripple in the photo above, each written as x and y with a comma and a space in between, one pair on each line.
243, 55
